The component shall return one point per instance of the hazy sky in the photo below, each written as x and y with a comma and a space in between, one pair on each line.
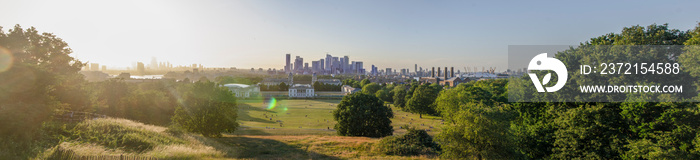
394, 34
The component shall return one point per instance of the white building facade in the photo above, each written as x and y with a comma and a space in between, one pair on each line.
301, 91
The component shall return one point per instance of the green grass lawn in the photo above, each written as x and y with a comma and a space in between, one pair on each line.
310, 117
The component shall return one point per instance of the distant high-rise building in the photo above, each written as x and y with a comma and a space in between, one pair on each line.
345, 65
287, 66
104, 68
140, 68
415, 68
315, 66
388, 71
154, 63
335, 65
342, 65
322, 65
329, 63
94, 66
358, 67
373, 70
299, 64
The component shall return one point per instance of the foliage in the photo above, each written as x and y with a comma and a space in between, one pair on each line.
422, 100
632, 130
384, 95
240, 80
208, 109
352, 83
318, 86
589, 132
37, 76
399, 96
414, 142
148, 102
477, 124
362, 114
364, 82
371, 88
280, 87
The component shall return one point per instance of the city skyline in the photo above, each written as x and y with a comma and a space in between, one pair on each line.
387, 34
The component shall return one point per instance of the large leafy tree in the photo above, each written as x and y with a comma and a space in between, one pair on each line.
208, 109
422, 100
37, 76
364, 115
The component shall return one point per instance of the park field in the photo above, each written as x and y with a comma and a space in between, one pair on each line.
292, 129
311, 117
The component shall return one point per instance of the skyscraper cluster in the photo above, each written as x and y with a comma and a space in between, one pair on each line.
327, 65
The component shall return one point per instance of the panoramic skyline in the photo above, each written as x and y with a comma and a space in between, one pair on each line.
388, 34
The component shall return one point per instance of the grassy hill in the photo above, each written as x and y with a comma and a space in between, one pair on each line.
304, 135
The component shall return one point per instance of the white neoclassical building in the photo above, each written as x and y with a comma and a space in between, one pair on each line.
242, 90
301, 91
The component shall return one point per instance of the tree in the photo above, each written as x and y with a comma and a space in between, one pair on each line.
283, 86
601, 130
478, 131
383, 95
37, 76
112, 94
422, 101
594, 132
399, 96
364, 82
363, 115
413, 87
371, 88
207, 109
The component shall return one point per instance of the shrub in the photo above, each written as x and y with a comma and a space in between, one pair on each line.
414, 142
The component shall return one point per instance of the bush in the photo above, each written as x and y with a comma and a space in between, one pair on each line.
414, 142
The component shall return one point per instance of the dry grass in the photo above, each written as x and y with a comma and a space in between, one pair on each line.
334, 146
294, 143
185, 146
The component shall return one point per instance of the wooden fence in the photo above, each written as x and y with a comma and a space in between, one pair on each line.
74, 116
66, 154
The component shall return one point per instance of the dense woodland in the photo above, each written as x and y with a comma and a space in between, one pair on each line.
41, 81
482, 124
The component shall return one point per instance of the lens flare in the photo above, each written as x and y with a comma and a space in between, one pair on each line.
5, 59
272, 104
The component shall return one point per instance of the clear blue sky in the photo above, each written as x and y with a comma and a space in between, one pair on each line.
394, 34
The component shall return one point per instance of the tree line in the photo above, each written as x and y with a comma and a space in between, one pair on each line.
480, 122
